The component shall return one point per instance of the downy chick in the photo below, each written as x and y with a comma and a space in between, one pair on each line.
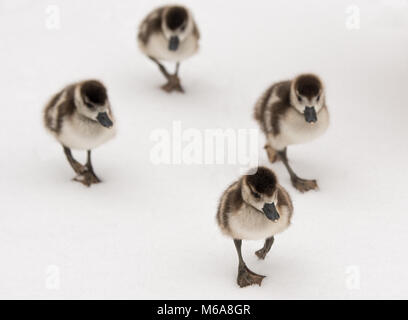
293, 112
80, 118
169, 33
253, 208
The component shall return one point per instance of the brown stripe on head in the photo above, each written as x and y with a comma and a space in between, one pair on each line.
308, 85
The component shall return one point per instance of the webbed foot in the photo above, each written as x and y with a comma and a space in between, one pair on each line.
304, 185
261, 254
247, 278
272, 154
87, 178
173, 84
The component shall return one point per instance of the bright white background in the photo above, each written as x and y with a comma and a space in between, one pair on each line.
149, 231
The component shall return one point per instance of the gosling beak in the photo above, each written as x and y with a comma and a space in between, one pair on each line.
270, 211
174, 43
310, 115
104, 120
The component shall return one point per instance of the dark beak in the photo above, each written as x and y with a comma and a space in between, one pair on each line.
104, 120
174, 43
270, 211
310, 115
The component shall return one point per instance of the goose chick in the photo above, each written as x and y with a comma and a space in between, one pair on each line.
80, 118
169, 33
293, 112
253, 208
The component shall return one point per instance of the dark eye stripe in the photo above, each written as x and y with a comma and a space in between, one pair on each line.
256, 195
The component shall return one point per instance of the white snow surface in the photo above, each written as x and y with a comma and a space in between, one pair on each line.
148, 231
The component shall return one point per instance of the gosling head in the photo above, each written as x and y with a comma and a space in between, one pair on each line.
177, 24
260, 191
92, 102
307, 96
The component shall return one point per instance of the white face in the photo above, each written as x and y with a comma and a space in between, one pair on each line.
301, 102
182, 32
257, 200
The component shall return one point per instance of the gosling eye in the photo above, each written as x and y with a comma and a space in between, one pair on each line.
318, 98
299, 98
256, 195
89, 105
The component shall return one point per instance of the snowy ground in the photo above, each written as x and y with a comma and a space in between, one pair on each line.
149, 231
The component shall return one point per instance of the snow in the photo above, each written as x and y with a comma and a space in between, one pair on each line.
149, 231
